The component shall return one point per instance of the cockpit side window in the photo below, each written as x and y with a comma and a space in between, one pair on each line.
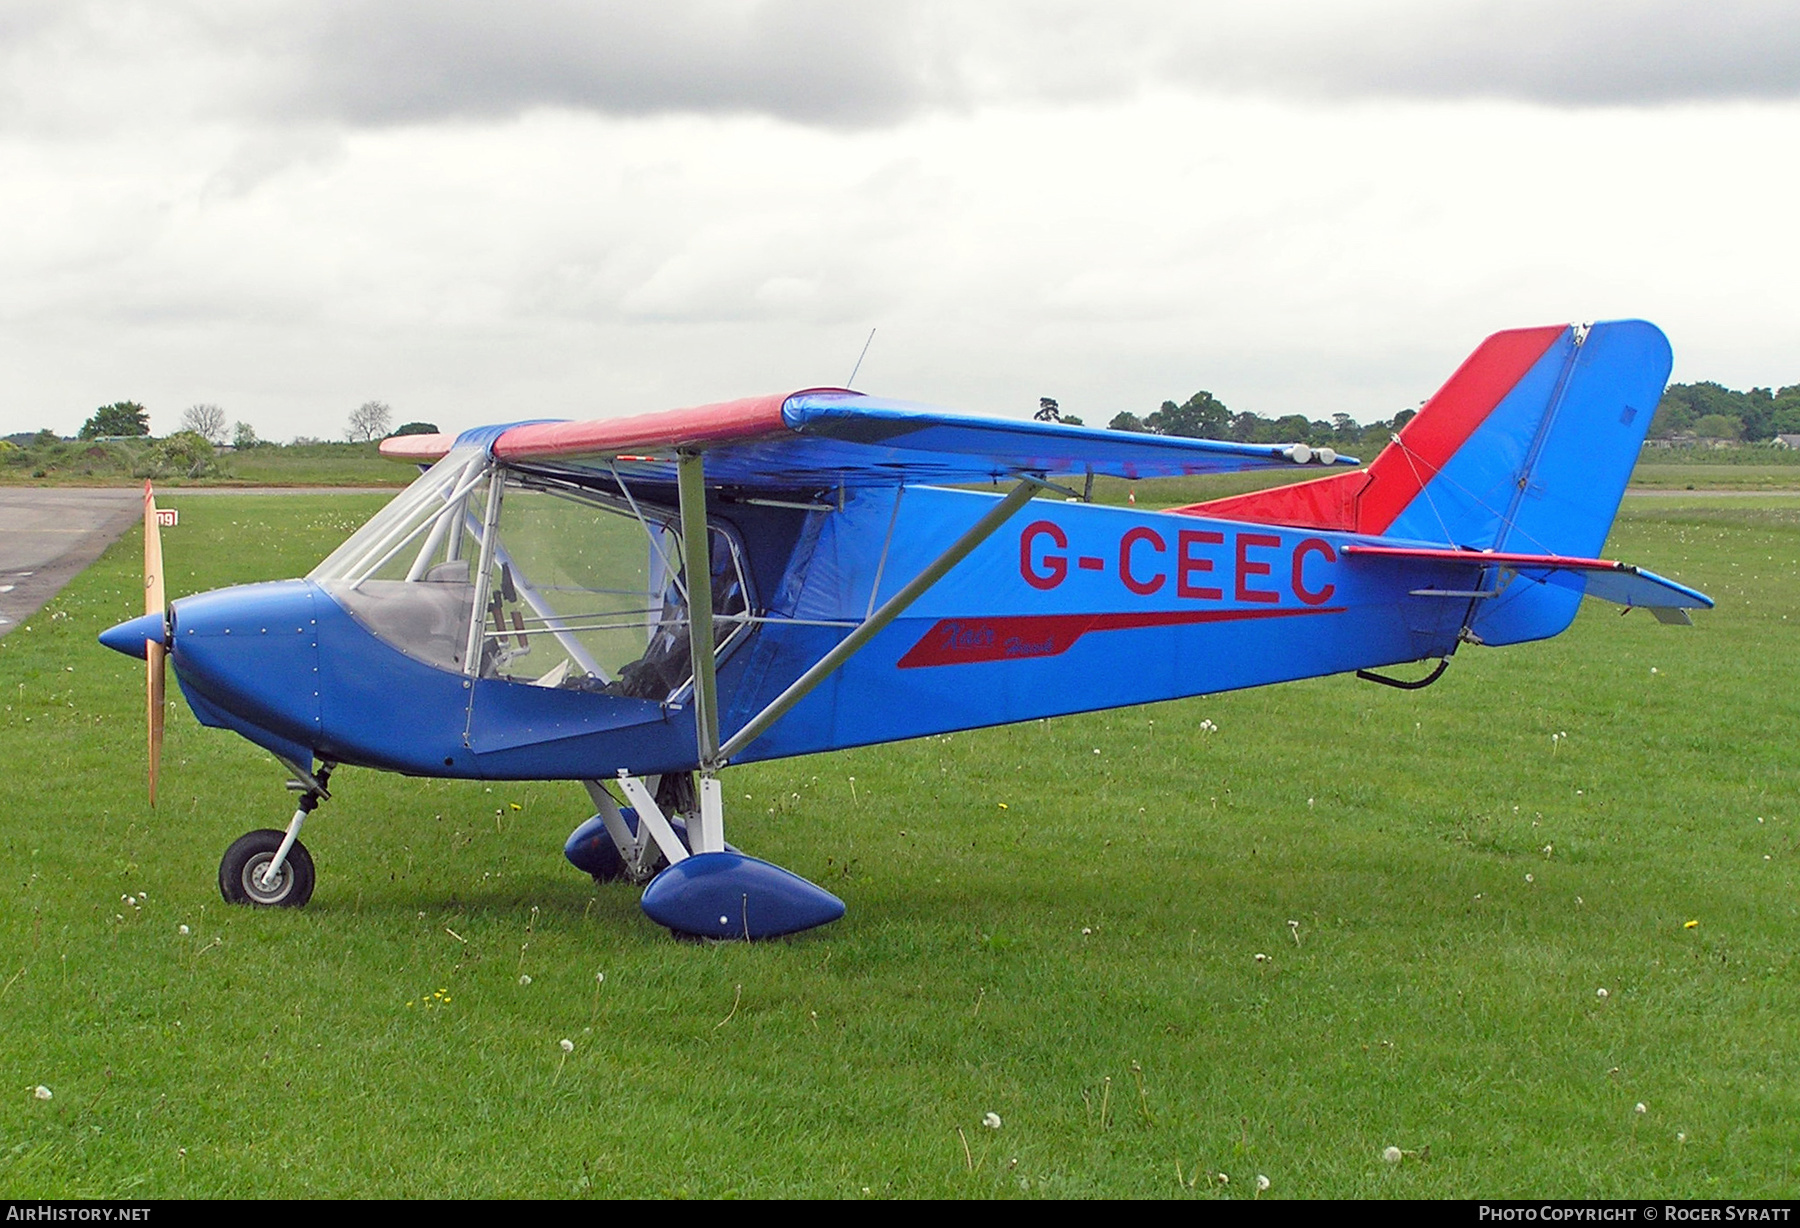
587, 593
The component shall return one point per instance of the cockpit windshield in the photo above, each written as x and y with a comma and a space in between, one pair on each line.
499, 574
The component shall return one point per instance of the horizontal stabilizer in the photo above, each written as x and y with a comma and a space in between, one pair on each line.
1619, 583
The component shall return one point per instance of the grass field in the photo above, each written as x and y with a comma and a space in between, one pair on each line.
1349, 919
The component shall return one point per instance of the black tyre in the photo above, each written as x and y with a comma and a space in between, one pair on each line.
240, 872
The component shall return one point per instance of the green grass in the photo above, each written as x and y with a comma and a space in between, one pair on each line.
1715, 477
1033, 928
322, 464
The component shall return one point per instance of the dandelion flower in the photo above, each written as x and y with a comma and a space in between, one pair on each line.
42, 1092
524, 978
1262, 1183
567, 1045
1688, 925
991, 1120
1391, 1155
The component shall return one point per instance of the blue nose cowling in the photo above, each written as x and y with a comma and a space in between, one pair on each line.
129, 637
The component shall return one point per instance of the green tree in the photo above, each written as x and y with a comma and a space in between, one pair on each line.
1201, 416
1125, 420
183, 454
420, 428
119, 418
1719, 426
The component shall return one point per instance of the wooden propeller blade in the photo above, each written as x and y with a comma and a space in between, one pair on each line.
155, 680
153, 563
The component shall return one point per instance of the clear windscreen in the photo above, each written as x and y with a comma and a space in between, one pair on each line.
581, 591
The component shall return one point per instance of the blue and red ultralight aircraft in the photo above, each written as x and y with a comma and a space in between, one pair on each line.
522, 611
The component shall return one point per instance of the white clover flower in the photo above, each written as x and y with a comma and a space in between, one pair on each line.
42, 1092
1639, 1107
991, 1121
183, 930
1391, 1155
1262, 1183
599, 978
524, 978
1602, 994
567, 1045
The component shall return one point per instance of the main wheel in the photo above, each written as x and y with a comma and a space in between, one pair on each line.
241, 870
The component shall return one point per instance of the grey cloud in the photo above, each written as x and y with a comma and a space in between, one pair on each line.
370, 63
811, 61
1618, 52
816, 61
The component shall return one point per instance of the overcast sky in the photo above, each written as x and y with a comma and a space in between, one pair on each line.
479, 213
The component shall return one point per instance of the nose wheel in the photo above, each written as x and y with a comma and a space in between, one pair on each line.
244, 877
269, 868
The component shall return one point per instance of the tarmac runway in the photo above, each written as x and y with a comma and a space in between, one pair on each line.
48, 534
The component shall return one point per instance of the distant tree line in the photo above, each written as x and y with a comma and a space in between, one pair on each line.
1712, 411
131, 420
1705, 410
1204, 416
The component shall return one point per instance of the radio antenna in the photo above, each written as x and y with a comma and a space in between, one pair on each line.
859, 358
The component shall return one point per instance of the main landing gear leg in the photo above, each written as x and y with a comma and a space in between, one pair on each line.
272, 869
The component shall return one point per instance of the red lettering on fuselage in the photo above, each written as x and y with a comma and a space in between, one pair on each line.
1142, 588
1146, 564
1247, 568
1055, 565
1186, 564
1312, 545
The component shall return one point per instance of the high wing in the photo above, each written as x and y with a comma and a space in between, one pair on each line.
830, 437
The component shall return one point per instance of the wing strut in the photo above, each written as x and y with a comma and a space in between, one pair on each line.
696, 558
875, 623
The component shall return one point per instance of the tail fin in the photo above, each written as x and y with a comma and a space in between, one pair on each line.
1527, 447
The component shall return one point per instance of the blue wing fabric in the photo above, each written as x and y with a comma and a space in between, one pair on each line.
832, 438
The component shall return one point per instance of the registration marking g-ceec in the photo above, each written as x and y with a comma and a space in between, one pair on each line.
1189, 564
